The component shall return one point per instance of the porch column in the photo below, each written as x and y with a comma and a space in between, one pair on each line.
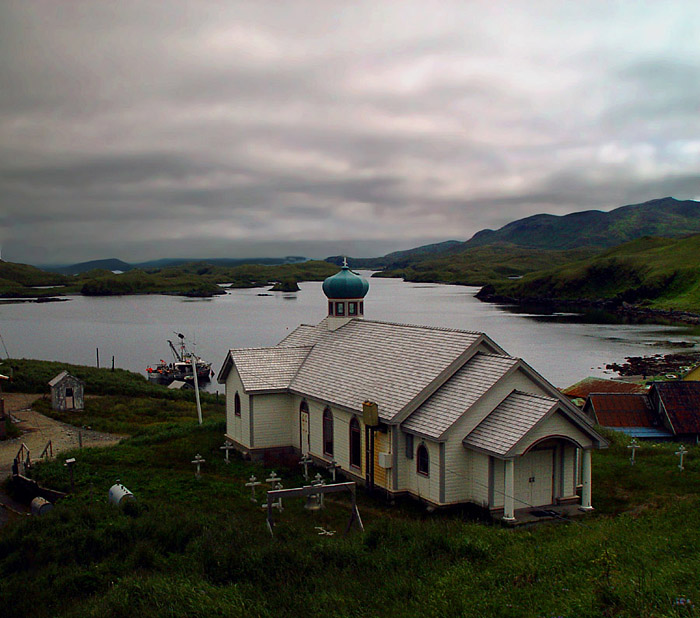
508, 499
586, 480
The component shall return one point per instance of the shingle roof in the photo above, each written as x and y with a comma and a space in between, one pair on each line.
682, 403
391, 364
304, 334
268, 369
458, 394
509, 422
623, 410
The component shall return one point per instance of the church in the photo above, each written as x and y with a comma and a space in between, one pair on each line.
443, 415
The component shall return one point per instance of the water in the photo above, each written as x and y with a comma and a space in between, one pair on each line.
135, 329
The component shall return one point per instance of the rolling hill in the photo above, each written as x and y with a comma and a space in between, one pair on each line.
653, 272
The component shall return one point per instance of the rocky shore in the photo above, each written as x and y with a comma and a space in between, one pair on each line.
622, 309
675, 364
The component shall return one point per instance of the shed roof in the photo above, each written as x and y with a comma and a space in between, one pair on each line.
62, 376
509, 422
681, 400
623, 410
600, 385
458, 394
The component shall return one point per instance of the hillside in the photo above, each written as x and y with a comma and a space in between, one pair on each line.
666, 217
483, 265
659, 273
535, 242
22, 280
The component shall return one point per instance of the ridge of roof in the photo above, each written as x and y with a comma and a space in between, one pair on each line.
424, 326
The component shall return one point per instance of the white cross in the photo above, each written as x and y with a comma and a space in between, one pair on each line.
278, 504
198, 461
253, 483
634, 446
333, 466
345, 262
318, 480
227, 447
273, 480
305, 461
680, 452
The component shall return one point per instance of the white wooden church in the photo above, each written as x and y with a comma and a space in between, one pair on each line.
444, 415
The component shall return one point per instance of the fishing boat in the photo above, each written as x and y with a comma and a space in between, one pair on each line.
181, 367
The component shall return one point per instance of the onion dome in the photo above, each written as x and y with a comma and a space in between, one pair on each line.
345, 284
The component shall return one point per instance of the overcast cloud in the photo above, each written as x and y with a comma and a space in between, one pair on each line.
145, 129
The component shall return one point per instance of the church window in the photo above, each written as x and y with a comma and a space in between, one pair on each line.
339, 308
237, 404
355, 444
423, 460
352, 308
330, 307
328, 432
362, 308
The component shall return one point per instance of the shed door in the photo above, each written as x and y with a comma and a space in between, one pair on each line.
534, 478
70, 404
305, 435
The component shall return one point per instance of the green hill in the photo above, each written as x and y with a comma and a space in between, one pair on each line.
483, 265
593, 228
659, 273
23, 280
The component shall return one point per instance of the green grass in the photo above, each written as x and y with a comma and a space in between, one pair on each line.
200, 548
659, 273
132, 415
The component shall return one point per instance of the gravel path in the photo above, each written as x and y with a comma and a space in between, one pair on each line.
39, 429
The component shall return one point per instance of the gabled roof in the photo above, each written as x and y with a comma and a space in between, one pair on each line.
681, 400
458, 394
509, 422
396, 365
267, 369
622, 410
62, 376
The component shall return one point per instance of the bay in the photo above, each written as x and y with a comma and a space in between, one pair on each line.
135, 329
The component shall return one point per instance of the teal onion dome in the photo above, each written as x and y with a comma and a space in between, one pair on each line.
345, 284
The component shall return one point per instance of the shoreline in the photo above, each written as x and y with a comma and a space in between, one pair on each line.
623, 310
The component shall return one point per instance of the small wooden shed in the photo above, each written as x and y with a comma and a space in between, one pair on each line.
67, 392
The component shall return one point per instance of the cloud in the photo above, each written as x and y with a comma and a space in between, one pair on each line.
237, 128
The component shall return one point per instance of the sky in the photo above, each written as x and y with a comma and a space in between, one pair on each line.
151, 129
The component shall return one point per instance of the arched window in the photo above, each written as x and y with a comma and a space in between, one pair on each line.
355, 444
423, 460
328, 432
237, 404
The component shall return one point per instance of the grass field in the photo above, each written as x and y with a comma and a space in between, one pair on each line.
201, 548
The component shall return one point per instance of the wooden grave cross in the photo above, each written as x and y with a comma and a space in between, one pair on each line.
198, 461
253, 483
634, 445
226, 448
333, 466
305, 461
680, 452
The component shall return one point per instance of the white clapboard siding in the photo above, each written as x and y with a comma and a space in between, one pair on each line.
272, 416
418, 484
459, 466
238, 427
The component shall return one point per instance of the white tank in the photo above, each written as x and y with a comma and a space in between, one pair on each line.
41, 506
118, 494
